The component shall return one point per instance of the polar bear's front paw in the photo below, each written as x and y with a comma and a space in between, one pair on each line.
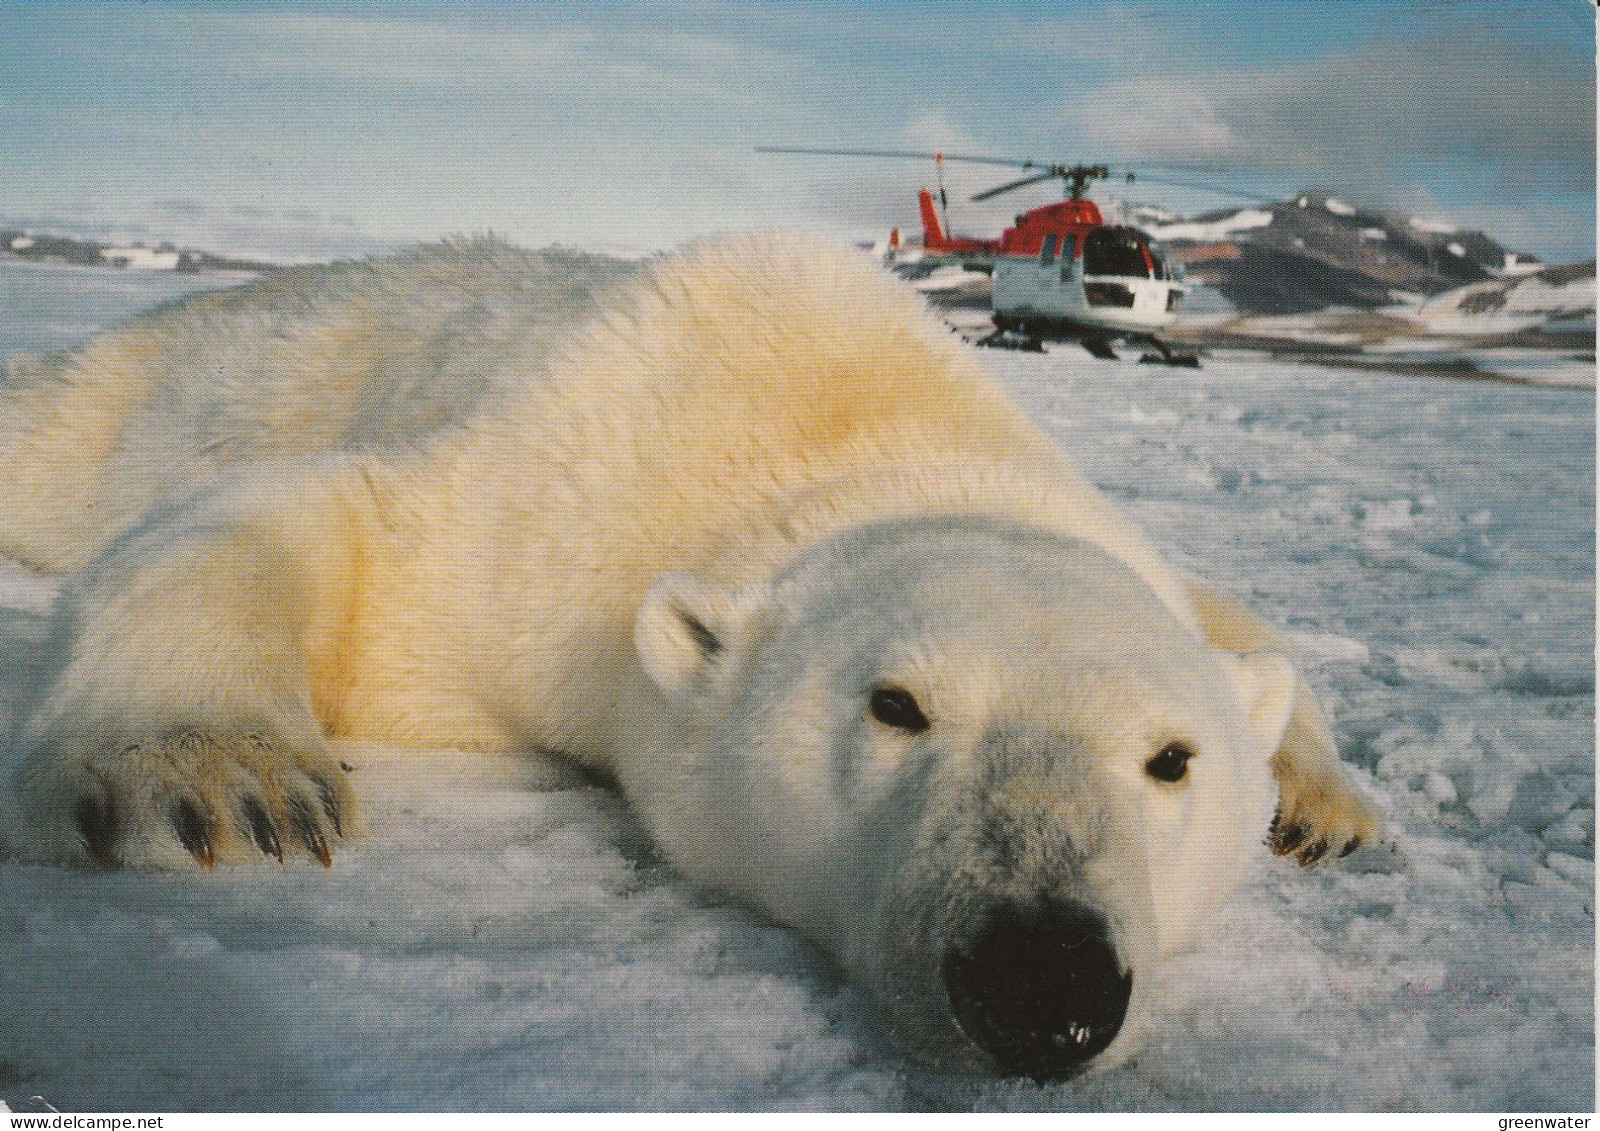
1319, 811
189, 798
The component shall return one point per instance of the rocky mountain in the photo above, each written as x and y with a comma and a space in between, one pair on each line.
1315, 251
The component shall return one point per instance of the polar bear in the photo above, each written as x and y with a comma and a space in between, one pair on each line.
744, 527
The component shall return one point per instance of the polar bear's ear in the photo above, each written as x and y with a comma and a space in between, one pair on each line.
1265, 683
686, 627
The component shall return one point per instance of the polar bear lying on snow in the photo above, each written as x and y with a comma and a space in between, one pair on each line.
745, 528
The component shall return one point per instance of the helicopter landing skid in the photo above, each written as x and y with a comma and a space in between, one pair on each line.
1010, 340
1166, 355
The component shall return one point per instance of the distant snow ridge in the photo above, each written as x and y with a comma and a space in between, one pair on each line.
140, 258
1204, 231
1433, 227
1507, 306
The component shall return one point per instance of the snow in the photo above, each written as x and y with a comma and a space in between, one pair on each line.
1504, 306
140, 258
1536, 367
1338, 207
1244, 220
1434, 227
1374, 234
504, 937
951, 278
1516, 265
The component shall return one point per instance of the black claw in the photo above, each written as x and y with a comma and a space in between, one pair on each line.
261, 828
97, 824
194, 830
1314, 853
1287, 838
1350, 846
330, 805
305, 824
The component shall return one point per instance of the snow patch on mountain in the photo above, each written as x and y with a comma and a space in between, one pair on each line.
1508, 306
1198, 231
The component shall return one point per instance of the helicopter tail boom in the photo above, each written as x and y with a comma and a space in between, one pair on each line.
932, 233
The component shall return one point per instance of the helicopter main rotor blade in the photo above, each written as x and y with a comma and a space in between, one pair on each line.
914, 154
1253, 198
1048, 174
1047, 170
1174, 166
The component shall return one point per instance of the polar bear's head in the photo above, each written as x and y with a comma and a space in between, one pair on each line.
981, 763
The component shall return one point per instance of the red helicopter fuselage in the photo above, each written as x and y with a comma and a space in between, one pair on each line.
1068, 220
1065, 219
1062, 272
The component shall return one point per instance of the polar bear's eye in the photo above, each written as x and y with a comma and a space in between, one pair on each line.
1171, 765
896, 707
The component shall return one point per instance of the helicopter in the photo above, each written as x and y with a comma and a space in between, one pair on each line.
1060, 273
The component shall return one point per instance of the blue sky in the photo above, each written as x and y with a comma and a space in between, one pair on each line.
298, 127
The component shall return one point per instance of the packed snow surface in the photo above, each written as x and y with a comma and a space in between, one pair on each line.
504, 937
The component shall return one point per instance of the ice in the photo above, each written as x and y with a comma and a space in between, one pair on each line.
505, 937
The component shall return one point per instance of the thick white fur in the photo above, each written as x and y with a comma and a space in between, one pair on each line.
482, 499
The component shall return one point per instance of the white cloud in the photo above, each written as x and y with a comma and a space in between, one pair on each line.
934, 130
1153, 119
1463, 100
529, 53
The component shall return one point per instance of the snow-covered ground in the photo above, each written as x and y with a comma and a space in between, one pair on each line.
504, 937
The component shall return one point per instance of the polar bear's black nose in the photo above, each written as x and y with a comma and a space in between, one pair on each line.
1039, 989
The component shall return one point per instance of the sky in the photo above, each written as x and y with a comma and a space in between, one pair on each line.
302, 130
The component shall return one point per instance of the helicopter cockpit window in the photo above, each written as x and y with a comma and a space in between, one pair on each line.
1047, 253
1115, 251
1166, 266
